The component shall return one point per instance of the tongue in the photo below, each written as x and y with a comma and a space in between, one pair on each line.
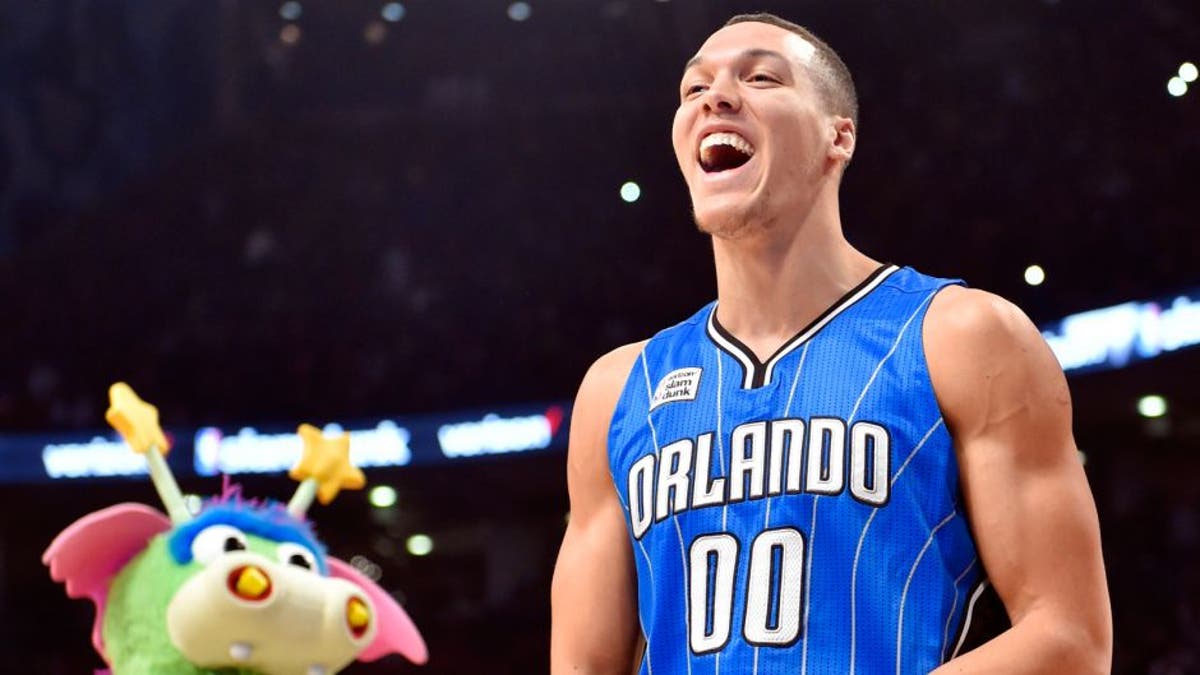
722, 158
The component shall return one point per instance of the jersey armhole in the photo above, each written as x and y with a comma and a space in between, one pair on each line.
619, 410
925, 357
986, 617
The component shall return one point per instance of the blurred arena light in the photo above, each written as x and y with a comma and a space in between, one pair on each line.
1152, 406
1035, 275
368, 567
289, 34
291, 10
419, 544
393, 12
1188, 71
1176, 86
384, 546
382, 496
630, 191
1114, 337
374, 33
519, 11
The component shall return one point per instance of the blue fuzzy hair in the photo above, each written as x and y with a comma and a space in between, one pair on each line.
264, 518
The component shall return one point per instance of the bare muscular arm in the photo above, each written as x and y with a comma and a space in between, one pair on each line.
1008, 408
594, 625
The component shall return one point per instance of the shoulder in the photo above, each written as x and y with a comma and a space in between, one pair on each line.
985, 355
609, 372
971, 320
587, 448
602, 387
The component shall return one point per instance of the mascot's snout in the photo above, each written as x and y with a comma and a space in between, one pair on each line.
246, 611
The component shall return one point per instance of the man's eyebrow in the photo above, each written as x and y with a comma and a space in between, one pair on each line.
749, 54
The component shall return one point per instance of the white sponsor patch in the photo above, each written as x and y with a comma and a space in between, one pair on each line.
678, 385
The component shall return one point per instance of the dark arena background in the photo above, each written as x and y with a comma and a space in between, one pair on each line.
423, 220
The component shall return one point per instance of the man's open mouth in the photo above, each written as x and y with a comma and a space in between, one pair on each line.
723, 151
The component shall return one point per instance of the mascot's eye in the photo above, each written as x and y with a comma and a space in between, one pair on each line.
216, 540
296, 555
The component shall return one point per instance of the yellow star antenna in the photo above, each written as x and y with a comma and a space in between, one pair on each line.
323, 470
137, 422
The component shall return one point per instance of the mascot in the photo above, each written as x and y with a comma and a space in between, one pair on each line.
240, 587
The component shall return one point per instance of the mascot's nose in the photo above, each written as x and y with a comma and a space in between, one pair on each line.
250, 582
358, 616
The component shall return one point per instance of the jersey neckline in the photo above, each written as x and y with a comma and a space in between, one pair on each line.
757, 373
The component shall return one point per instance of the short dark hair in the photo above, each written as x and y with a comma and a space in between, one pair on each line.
830, 74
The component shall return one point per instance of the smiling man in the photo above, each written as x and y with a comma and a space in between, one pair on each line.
822, 470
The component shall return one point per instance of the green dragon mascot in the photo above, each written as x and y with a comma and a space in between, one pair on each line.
242, 587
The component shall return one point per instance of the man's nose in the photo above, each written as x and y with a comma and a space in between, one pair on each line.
722, 96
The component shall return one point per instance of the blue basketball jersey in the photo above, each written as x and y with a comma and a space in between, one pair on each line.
799, 515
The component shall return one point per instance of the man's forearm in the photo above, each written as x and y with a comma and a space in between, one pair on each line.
1038, 644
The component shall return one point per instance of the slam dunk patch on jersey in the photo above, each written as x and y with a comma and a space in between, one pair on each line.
678, 385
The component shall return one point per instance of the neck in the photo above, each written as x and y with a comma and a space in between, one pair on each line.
774, 283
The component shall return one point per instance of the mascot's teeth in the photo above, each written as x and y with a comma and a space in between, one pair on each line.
240, 651
316, 670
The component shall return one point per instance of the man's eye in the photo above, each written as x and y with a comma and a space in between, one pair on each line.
694, 89
763, 77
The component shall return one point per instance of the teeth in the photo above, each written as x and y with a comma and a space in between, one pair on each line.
727, 138
240, 651
316, 670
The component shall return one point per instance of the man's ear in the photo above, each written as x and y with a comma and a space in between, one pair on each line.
844, 136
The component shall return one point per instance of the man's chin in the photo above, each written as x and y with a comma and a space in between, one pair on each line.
729, 221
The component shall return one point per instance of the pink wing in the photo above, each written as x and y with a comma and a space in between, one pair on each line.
397, 633
89, 553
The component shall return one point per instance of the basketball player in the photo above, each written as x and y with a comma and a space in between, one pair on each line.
819, 471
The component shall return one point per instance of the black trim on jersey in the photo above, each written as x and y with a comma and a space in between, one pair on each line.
672, 469
776, 588
710, 572
869, 465
824, 452
785, 451
773, 599
984, 617
757, 373
711, 560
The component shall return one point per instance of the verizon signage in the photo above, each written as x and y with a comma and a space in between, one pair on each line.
99, 457
493, 434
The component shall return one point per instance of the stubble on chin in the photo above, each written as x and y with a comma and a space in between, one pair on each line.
733, 222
